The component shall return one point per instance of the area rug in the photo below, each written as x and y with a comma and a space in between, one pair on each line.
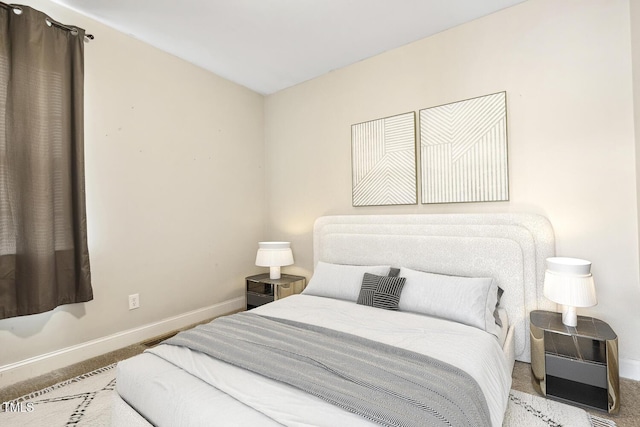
87, 401
533, 411
82, 401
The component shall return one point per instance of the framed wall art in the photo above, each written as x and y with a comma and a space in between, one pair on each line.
463, 151
383, 156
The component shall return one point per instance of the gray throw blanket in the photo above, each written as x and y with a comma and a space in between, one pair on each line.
382, 383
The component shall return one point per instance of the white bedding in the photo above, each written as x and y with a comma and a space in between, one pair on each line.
473, 350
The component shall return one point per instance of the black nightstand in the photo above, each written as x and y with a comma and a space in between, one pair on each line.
261, 289
576, 365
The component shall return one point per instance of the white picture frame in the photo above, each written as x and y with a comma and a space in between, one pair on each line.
383, 155
463, 151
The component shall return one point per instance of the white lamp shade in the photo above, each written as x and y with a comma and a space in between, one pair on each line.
274, 254
570, 266
576, 291
568, 281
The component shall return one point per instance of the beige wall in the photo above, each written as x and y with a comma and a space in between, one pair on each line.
174, 182
634, 8
566, 68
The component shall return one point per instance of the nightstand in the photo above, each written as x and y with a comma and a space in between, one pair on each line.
261, 289
576, 365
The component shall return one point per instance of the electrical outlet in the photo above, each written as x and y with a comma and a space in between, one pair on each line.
134, 301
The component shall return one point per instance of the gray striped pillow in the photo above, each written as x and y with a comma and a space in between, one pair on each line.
381, 291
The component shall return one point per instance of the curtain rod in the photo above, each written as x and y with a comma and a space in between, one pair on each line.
73, 30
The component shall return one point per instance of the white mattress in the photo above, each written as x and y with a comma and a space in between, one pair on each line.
171, 384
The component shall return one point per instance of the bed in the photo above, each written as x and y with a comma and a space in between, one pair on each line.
348, 350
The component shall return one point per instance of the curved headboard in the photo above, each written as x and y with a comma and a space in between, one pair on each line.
511, 248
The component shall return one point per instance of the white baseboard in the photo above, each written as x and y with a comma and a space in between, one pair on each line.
630, 369
39, 365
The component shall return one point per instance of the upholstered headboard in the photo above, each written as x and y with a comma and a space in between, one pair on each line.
511, 248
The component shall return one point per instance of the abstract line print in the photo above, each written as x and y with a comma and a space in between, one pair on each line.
383, 155
463, 148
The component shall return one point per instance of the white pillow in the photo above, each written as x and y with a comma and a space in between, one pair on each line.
466, 300
341, 281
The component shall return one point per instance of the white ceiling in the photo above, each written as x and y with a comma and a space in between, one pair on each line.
269, 45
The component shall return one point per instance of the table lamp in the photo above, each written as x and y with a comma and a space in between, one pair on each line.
568, 281
274, 255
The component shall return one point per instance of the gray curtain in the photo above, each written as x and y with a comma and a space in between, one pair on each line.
44, 259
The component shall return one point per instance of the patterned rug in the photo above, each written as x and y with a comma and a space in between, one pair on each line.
533, 411
82, 401
86, 401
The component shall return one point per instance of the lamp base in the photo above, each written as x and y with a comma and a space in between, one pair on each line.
569, 316
274, 273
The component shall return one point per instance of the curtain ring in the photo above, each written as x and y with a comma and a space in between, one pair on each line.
17, 10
